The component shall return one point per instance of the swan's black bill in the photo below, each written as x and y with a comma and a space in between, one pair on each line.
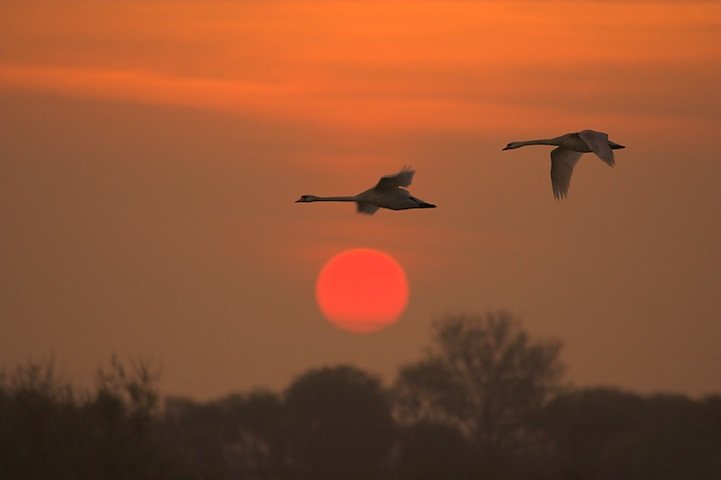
426, 205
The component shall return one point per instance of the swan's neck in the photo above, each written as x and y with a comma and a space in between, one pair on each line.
540, 141
335, 199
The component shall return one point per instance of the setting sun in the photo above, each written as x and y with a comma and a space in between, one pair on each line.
362, 290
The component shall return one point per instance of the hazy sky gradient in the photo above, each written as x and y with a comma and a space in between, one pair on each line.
151, 153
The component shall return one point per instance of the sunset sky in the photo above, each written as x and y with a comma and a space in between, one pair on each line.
151, 154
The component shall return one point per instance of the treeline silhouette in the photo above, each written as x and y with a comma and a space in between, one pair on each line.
486, 401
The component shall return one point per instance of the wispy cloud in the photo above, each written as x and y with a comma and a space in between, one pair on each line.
363, 65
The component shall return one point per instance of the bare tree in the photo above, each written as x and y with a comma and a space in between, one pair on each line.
51, 429
485, 376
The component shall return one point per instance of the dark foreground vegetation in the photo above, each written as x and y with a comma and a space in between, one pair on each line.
486, 402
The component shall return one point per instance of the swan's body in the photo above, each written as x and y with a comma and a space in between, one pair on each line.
569, 149
389, 192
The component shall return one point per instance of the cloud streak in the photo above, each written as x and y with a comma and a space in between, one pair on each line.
441, 66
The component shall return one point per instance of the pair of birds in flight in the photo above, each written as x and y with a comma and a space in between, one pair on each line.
390, 191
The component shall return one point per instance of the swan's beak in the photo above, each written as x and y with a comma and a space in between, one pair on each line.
506, 148
427, 205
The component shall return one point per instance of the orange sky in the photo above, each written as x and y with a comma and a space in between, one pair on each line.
151, 153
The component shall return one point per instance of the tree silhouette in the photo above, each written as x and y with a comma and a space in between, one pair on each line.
485, 376
39, 424
431, 451
259, 447
198, 433
604, 433
50, 430
339, 425
482, 404
238, 436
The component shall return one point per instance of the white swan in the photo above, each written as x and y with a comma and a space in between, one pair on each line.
389, 193
570, 148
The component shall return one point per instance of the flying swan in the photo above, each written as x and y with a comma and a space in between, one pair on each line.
389, 193
569, 149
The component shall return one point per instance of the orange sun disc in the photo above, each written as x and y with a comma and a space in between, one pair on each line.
362, 290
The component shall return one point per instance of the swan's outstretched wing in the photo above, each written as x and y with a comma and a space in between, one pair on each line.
562, 163
367, 208
400, 179
598, 143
